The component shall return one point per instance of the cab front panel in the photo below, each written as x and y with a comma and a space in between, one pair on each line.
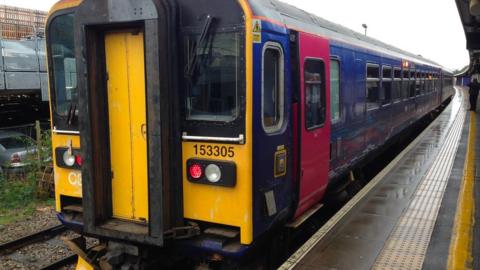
62, 82
68, 181
217, 118
218, 204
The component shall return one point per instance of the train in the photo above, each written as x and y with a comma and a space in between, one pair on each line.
23, 81
204, 126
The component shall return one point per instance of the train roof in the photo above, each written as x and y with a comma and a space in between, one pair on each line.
300, 19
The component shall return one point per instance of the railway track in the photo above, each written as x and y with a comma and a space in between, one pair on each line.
36, 237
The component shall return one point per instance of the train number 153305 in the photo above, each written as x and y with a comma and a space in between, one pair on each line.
214, 151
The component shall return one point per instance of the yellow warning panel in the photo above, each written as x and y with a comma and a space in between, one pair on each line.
257, 26
461, 244
257, 31
127, 124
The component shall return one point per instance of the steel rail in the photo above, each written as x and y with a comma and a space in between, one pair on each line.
39, 236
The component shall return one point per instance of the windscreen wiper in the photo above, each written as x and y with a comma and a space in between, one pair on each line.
191, 68
71, 113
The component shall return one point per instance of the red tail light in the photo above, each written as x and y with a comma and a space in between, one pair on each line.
15, 158
78, 160
196, 171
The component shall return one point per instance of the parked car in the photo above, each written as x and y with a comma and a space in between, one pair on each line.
15, 148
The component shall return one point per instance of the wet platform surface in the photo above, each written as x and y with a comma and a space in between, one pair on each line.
390, 223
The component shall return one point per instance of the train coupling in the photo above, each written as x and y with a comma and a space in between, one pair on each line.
105, 256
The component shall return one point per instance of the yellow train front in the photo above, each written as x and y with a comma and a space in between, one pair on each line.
141, 162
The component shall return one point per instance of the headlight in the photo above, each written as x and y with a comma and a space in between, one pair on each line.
195, 171
213, 173
68, 159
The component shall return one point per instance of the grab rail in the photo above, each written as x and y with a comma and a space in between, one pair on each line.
240, 139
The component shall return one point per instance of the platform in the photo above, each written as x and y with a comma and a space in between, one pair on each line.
406, 217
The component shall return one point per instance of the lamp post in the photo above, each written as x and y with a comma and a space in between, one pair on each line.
365, 26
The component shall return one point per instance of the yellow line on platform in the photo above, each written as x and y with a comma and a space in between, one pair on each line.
460, 253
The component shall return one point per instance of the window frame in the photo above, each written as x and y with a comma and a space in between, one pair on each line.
425, 83
405, 84
239, 114
58, 121
337, 59
367, 80
389, 79
214, 128
412, 83
399, 79
273, 45
432, 83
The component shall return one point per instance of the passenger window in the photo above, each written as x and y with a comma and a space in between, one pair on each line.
412, 84
405, 85
418, 84
315, 98
424, 83
335, 90
273, 88
431, 83
373, 86
386, 93
397, 85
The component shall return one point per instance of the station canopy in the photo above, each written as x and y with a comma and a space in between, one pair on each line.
469, 11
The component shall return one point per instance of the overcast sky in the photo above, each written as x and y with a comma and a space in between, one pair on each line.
431, 28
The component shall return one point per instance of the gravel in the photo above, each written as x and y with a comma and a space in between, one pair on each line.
42, 218
39, 254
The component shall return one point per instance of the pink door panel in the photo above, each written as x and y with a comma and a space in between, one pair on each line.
314, 127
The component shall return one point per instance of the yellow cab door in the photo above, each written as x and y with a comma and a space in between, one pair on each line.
125, 63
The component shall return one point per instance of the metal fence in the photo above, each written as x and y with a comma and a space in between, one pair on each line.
28, 129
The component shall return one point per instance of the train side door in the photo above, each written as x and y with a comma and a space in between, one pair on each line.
314, 126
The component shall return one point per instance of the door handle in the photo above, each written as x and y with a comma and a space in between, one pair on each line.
143, 129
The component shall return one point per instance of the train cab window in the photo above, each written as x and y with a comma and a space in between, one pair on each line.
214, 84
315, 96
397, 85
372, 86
335, 90
63, 65
386, 91
272, 88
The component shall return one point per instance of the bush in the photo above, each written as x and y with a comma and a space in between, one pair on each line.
16, 193
21, 194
